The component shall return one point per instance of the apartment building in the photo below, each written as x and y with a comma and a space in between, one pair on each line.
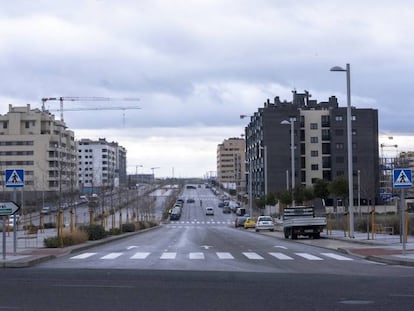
32, 140
319, 142
231, 164
101, 165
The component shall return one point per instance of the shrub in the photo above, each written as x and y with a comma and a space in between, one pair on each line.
67, 239
95, 232
128, 227
114, 231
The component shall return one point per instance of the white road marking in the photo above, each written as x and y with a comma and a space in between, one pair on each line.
197, 255
280, 246
308, 256
131, 247
223, 255
111, 256
253, 256
168, 255
83, 256
281, 256
141, 255
336, 256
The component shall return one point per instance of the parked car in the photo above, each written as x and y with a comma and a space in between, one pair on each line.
240, 211
264, 223
190, 200
46, 210
210, 211
226, 209
239, 221
250, 223
83, 199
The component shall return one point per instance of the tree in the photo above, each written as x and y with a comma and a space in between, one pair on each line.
303, 194
271, 199
261, 202
321, 189
339, 188
285, 197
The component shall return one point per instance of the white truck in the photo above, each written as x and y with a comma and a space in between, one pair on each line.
301, 220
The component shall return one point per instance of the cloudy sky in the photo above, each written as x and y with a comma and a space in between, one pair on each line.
196, 65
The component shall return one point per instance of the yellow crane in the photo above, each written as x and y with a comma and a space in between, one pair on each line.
92, 98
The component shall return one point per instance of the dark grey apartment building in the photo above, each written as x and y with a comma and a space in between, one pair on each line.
320, 145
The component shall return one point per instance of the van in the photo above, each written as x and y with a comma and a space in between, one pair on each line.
240, 211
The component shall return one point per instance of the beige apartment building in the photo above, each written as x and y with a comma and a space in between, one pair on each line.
32, 140
231, 172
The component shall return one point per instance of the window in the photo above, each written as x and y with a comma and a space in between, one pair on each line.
314, 140
325, 121
338, 118
326, 135
314, 153
314, 167
314, 126
339, 146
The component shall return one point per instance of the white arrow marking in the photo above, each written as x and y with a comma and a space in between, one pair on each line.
280, 246
206, 246
131, 247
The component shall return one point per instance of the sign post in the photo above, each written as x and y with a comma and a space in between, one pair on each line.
14, 179
7, 209
402, 180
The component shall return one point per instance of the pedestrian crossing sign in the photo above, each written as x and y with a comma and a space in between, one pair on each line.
402, 178
14, 178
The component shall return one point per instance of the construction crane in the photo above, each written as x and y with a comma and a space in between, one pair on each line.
78, 98
100, 109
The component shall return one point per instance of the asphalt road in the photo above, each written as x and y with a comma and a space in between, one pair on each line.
203, 263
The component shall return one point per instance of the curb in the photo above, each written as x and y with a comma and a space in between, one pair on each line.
32, 260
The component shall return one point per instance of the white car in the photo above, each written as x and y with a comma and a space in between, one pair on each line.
209, 211
264, 223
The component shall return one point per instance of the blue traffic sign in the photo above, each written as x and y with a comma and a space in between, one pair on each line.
402, 178
14, 178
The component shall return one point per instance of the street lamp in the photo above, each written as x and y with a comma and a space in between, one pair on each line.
153, 176
349, 134
136, 172
292, 153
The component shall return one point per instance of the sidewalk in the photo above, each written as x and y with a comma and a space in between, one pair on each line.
30, 252
383, 248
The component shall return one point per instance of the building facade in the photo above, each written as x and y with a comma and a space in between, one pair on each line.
231, 164
101, 165
319, 142
43, 147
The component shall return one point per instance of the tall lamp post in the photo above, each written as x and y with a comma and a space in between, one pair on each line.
349, 135
292, 153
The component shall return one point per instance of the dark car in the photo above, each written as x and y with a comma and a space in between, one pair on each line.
226, 209
190, 200
239, 222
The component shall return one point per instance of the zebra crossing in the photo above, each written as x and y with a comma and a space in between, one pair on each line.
175, 224
254, 256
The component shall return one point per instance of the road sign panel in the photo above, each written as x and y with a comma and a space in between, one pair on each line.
8, 208
14, 178
402, 178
